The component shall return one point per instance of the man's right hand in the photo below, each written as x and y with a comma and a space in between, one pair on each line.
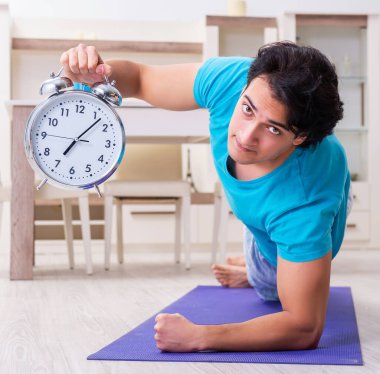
84, 64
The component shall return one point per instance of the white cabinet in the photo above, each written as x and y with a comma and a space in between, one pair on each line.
238, 36
352, 43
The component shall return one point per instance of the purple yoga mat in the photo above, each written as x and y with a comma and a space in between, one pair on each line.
339, 344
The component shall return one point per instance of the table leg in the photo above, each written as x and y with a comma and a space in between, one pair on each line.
22, 202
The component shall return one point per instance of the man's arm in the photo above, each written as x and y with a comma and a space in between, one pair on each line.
168, 87
303, 289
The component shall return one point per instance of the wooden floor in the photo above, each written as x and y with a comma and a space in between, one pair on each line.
51, 324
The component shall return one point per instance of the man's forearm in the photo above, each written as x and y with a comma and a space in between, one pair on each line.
127, 77
278, 331
165, 86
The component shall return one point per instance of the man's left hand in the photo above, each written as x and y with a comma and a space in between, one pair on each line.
175, 333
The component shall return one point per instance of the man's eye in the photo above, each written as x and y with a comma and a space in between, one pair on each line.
247, 109
274, 130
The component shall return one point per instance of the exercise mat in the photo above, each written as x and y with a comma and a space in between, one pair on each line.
339, 344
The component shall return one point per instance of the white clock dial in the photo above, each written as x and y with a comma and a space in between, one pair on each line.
77, 139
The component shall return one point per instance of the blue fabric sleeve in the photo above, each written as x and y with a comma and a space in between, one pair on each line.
218, 76
305, 234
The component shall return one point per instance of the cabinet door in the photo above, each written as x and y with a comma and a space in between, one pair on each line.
238, 36
344, 41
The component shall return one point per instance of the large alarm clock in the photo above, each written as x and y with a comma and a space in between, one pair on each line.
75, 138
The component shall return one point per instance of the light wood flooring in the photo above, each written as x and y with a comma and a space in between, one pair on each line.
51, 324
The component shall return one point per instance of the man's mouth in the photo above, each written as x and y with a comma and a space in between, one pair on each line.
242, 147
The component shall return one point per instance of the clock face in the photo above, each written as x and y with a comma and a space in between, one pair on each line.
76, 139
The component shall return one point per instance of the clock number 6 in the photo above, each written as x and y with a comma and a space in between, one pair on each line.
72, 170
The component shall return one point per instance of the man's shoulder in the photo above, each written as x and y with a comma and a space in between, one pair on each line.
329, 148
220, 80
324, 165
228, 60
225, 68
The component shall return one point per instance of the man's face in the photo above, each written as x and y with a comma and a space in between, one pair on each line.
258, 131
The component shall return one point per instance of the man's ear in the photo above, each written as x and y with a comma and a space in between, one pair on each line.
299, 140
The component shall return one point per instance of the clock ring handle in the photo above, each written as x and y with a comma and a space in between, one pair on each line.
55, 83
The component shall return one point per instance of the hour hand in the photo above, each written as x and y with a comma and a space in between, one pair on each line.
69, 147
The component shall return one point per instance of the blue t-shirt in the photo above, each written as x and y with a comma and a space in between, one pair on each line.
298, 210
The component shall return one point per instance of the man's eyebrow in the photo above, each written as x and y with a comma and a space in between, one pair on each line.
285, 127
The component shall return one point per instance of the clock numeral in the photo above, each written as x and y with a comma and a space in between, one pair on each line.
105, 127
72, 170
88, 168
80, 109
95, 114
108, 144
57, 162
43, 134
101, 158
47, 152
63, 111
53, 122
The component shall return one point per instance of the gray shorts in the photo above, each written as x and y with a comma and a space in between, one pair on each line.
262, 275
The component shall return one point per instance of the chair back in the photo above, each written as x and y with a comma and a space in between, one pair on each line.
150, 162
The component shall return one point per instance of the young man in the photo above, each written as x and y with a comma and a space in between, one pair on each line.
284, 174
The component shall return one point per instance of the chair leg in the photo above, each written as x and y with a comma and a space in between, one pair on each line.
178, 231
216, 229
119, 225
68, 227
224, 213
84, 209
186, 213
107, 230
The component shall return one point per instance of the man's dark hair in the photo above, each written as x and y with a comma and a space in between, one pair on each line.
305, 81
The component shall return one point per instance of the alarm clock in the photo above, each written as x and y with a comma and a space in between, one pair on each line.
75, 138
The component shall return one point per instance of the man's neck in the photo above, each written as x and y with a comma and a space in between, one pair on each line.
254, 171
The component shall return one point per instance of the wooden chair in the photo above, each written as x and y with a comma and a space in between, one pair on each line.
49, 192
149, 174
219, 236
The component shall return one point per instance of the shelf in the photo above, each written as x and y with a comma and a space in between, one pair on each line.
60, 222
241, 22
331, 20
352, 78
109, 45
352, 130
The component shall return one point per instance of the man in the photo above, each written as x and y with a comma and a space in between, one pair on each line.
284, 174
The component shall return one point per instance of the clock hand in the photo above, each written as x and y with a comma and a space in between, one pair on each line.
65, 137
78, 138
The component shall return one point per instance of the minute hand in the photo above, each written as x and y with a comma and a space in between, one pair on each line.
77, 139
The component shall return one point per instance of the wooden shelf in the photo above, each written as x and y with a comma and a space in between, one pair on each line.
331, 20
241, 22
109, 45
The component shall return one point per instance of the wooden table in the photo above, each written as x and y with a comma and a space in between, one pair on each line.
143, 124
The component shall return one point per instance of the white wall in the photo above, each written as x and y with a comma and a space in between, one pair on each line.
165, 10
133, 20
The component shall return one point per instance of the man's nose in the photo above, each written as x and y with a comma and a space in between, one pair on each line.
250, 134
